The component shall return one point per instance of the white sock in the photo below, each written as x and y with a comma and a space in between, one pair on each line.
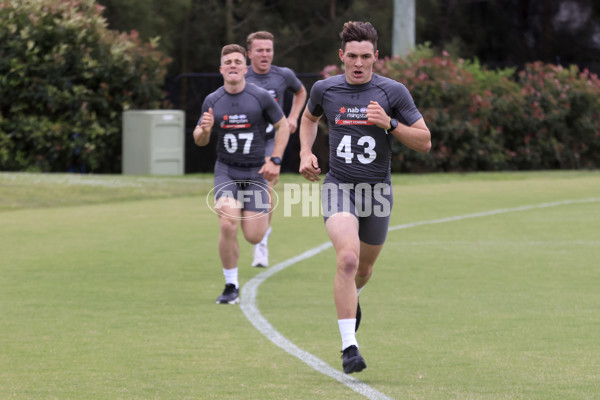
347, 331
231, 276
359, 290
265, 238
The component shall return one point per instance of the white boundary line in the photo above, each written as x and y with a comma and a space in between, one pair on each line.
250, 291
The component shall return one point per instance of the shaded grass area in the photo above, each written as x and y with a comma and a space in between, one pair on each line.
26, 190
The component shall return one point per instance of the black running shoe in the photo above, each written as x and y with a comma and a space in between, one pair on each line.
358, 316
230, 295
352, 361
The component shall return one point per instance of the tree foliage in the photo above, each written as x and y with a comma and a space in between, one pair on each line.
306, 33
65, 77
485, 120
64, 81
498, 33
514, 32
151, 18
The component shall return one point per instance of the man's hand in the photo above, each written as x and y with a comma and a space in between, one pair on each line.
202, 131
270, 171
309, 167
208, 120
377, 115
293, 124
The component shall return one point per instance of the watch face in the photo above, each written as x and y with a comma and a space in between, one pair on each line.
276, 160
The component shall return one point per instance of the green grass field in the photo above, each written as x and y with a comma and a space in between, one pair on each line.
108, 288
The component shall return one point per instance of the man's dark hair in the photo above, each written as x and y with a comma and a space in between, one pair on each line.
233, 48
264, 35
356, 31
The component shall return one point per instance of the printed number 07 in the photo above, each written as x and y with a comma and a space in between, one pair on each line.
344, 149
231, 142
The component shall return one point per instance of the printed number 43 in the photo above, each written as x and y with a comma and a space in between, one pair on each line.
344, 149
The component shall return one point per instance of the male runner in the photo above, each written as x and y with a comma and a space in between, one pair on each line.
276, 80
365, 112
240, 113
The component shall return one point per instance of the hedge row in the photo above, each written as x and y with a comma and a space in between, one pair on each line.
64, 81
543, 117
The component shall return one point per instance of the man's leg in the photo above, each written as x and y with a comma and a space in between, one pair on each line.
368, 255
254, 225
343, 232
373, 231
261, 248
229, 250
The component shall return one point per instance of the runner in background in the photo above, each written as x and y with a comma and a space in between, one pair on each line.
276, 80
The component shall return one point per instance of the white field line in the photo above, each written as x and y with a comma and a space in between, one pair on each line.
512, 243
493, 212
250, 290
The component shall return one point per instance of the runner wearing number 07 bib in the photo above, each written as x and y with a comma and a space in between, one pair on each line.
239, 114
365, 114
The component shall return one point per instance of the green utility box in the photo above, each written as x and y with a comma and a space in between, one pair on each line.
153, 142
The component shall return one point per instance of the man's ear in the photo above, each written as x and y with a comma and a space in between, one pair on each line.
341, 54
376, 54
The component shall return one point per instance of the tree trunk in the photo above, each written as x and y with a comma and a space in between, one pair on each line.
332, 9
229, 21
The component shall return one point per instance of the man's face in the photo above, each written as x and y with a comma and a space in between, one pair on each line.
261, 55
358, 60
233, 67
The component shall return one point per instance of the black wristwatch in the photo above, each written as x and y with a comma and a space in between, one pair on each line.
393, 125
275, 160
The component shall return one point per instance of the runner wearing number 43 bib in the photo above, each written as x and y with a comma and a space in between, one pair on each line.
239, 114
365, 113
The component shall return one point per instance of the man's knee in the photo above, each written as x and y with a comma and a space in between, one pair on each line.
364, 271
255, 231
229, 226
347, 261
254, 237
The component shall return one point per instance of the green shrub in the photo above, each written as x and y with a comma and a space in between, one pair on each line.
562, 118
64, 81
543, 117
